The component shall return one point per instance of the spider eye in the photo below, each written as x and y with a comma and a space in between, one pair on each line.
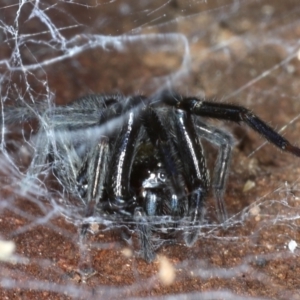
161, 176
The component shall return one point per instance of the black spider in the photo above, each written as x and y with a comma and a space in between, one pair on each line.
139, 160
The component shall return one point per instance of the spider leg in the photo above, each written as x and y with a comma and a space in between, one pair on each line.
160, 138
237, 114
145, 233
174, 201
228, 112
66, 160
195, 170
41, 152
97, 170
96, 174
225, 143
120, 196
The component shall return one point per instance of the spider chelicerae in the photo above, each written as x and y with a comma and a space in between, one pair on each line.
138, 160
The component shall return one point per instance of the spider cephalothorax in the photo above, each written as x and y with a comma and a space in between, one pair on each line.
138, 159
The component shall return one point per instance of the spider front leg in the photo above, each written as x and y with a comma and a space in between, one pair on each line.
145, 230
161, 139
93, 175
225, 143
172, 199
194, 169
97, 170
121, 200
120, 196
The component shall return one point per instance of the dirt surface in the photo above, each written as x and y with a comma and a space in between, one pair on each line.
243, 55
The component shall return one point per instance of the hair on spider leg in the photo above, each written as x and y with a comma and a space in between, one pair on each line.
139, 161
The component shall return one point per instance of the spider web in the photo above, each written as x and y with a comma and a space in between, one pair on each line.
242, 52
